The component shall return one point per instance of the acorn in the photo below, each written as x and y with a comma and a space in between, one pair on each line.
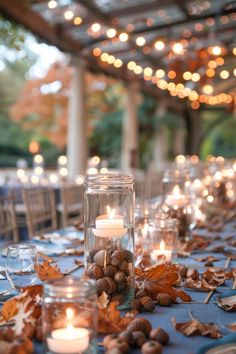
102, 258
94, 271
124, 266
136, 305
106, 284
193, 273
147, 303
138, 339
164, 299
160, 335
119, 277
151, 348
117, 257
126, 336
128, 255
120, 344
108, 338
140, 324
110, 270
91, 256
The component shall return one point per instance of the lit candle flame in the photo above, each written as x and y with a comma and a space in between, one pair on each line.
162, 245
69, 313
176, 191
111, 212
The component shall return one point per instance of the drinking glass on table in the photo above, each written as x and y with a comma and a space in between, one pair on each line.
20, 265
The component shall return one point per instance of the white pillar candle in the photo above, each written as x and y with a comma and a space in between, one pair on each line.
109, 225
68, 340
161, 254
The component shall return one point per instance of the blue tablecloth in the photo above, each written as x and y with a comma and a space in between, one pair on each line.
161, 317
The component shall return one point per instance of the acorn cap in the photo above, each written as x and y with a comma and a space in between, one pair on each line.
140, 324
110, 270
106, 284
94, 271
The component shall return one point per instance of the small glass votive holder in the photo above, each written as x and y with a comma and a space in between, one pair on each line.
69, 316
162, 241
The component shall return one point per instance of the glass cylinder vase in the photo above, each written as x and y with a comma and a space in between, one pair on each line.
69, 316
109, 235
177, 201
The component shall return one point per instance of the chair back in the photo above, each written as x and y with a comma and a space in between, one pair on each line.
8, 225
71, 204
40, 209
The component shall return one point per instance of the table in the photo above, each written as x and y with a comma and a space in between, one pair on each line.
161, 317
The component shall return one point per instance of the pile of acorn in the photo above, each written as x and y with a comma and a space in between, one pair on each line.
112, 270
138, 334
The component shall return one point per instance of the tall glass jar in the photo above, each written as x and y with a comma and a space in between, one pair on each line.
69, 316
177, 201
109, 235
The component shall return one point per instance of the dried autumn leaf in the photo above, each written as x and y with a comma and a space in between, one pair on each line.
195, 327
207, 259
196, 243
103, 300
232, 326
110, 320
227, 303
199, 285
161, 279
215, 277
9, 309
46, 271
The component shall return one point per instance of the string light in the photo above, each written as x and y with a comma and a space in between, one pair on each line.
131, 65
178, 48
118, 63
159, 45
97, 52
52, 4
224, 74
207, 89
148, 71
123, 37
187, 75
160, 73
234, 51
138, 69
96, 27
111, 32
195, 77
216, 50
68, 14
77, 20
171, 74
210, 72
234, 72
140, 41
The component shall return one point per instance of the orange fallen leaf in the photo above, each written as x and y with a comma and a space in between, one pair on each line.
198, 285
46, 271
161, 279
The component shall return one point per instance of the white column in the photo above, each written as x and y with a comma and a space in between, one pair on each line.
76, 136
130, 128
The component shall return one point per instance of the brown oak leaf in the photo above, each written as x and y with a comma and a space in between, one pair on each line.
46, 271
199, 285
215, 277
161, 279
195, 327
110, 320
227, 303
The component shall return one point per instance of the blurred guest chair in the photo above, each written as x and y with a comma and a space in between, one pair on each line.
40, 208
71, 206
8, 225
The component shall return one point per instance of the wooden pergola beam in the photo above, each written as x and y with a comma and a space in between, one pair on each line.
35, 23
